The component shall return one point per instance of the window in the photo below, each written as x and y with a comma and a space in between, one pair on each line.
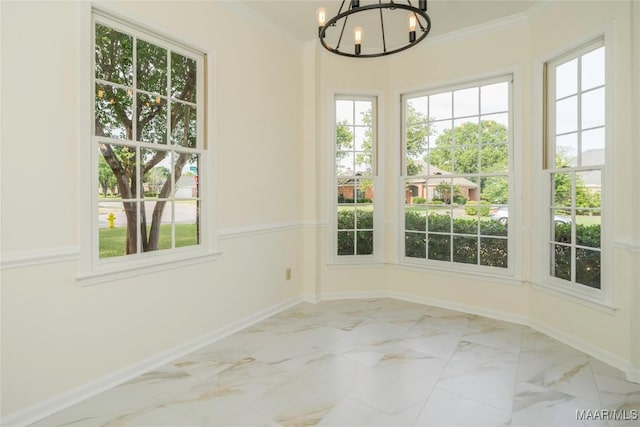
574, 165
456, 176
355, 148
147, 143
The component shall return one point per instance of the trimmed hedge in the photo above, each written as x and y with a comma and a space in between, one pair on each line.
471, 208
492, 249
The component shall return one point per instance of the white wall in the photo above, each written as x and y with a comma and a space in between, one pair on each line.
57, 334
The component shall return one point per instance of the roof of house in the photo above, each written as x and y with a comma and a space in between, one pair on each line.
437, 176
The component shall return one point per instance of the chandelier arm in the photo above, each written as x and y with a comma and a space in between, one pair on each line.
344, 24
384, 42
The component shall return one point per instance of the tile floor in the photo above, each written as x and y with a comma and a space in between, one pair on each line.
374, 362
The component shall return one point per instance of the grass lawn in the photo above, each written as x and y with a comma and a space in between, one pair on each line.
112, 240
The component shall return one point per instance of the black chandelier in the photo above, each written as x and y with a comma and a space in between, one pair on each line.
417, 19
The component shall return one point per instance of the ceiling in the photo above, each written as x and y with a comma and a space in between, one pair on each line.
298, 18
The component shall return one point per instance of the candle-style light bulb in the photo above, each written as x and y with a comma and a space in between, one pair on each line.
357, 35
412, 27
322, 18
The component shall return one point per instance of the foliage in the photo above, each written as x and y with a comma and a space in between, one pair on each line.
587, 260
444, 191
418, 200
471, 208
106, 178
418, 130
359, 242
465, 144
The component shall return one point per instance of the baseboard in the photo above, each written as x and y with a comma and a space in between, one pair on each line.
333, 296
469, 309
632, 373
45, 408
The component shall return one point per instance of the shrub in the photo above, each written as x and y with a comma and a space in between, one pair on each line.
471, 208
460, 200
419, 201
437, 202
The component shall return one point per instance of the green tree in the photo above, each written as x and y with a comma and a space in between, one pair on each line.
444, 191
418, 131
114, 118
467, 146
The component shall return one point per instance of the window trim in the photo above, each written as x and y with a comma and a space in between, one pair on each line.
512, 273
377, 159
91, 269
600, 299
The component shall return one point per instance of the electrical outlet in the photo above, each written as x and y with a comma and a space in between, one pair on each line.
287, 273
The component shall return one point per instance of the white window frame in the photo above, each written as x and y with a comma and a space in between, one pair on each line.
601, 299
512, 271
375, 257
92, 269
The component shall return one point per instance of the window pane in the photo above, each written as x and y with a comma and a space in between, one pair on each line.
439, 160
593, 69
344, 136
123, 161
183, 77
588, 267
345, 163
494, 98
561, 189
497, 224
567, 115
346, 245
465, 249
465, 226
363, 113
439, 221
567, 79
415, 219
114, 232
566, 150
183, 125
494, 158
415, 245
364, 217
151, 63
494, 252
593, 108
187, 218
417, 110
494, 129
113, 112
439, 247
495, 190
466, 102
114, 56
152, 119
186, 181
344, 112
440, 106
346, 218
156, 181
593, 147
107, 183
588, 231
157, 217
561, 262
561, 226
365, 243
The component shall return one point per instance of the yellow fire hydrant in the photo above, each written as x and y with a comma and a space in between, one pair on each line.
111, 218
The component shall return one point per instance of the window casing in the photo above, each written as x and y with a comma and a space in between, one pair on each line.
148, 148
574, 167
355, 145
457, 177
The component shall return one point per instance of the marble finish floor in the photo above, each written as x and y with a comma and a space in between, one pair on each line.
374, 362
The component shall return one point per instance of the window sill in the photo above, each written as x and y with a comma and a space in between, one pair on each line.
484, 276
124, 271
571, 295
